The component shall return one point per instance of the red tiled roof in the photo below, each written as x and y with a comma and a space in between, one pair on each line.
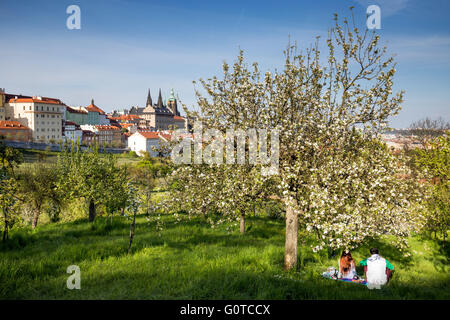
149, 134
165, 136
178, 118
93, 108
126, 125
12, 125
154, 135
126, 117
106, 127
36, 100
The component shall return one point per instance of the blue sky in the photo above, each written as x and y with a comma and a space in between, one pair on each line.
125, 47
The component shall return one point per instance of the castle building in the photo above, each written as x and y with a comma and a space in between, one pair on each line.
160, 116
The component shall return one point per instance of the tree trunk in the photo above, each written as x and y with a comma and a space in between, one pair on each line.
91, 210
147, 198
242, 223
131, 232
5, 231
35, 217
290, 254
204, 212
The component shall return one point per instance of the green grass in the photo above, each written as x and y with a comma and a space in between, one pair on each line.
45, 156
189, 260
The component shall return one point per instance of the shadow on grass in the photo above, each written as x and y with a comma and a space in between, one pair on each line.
229, 283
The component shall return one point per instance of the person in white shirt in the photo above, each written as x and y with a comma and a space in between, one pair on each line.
377, 270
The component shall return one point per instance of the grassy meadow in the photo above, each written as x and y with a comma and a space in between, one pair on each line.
46, 156
191, 260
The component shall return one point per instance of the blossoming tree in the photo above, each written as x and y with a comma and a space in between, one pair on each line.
334, 173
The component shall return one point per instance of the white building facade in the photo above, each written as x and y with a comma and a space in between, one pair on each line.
73, 132
141, 142
42, 115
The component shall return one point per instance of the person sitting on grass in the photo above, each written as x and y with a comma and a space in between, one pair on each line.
347, 269
377, 270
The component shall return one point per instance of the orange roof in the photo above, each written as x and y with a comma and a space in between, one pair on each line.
12, 125
178, 118
155, 135
106, 127
165, 136
93, 108
127, 117
126, 125
149, 134
36, 100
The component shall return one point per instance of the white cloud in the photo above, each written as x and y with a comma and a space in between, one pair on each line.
427, 50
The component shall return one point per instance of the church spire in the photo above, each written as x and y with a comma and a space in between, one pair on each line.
172, 95
160, 102
149, 99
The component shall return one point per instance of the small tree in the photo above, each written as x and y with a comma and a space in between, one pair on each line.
144, 175
38, 186
133, 207
10, 158
434, 160
90, 176
427, 129
8, 201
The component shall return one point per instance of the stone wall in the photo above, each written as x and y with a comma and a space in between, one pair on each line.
56, 147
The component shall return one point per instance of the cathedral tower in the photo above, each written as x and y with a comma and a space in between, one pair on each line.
149, 99
172, 104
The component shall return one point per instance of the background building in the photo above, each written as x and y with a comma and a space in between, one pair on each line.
104, 134
91, 114
76, 115
41, 114
73, 132
15, 131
